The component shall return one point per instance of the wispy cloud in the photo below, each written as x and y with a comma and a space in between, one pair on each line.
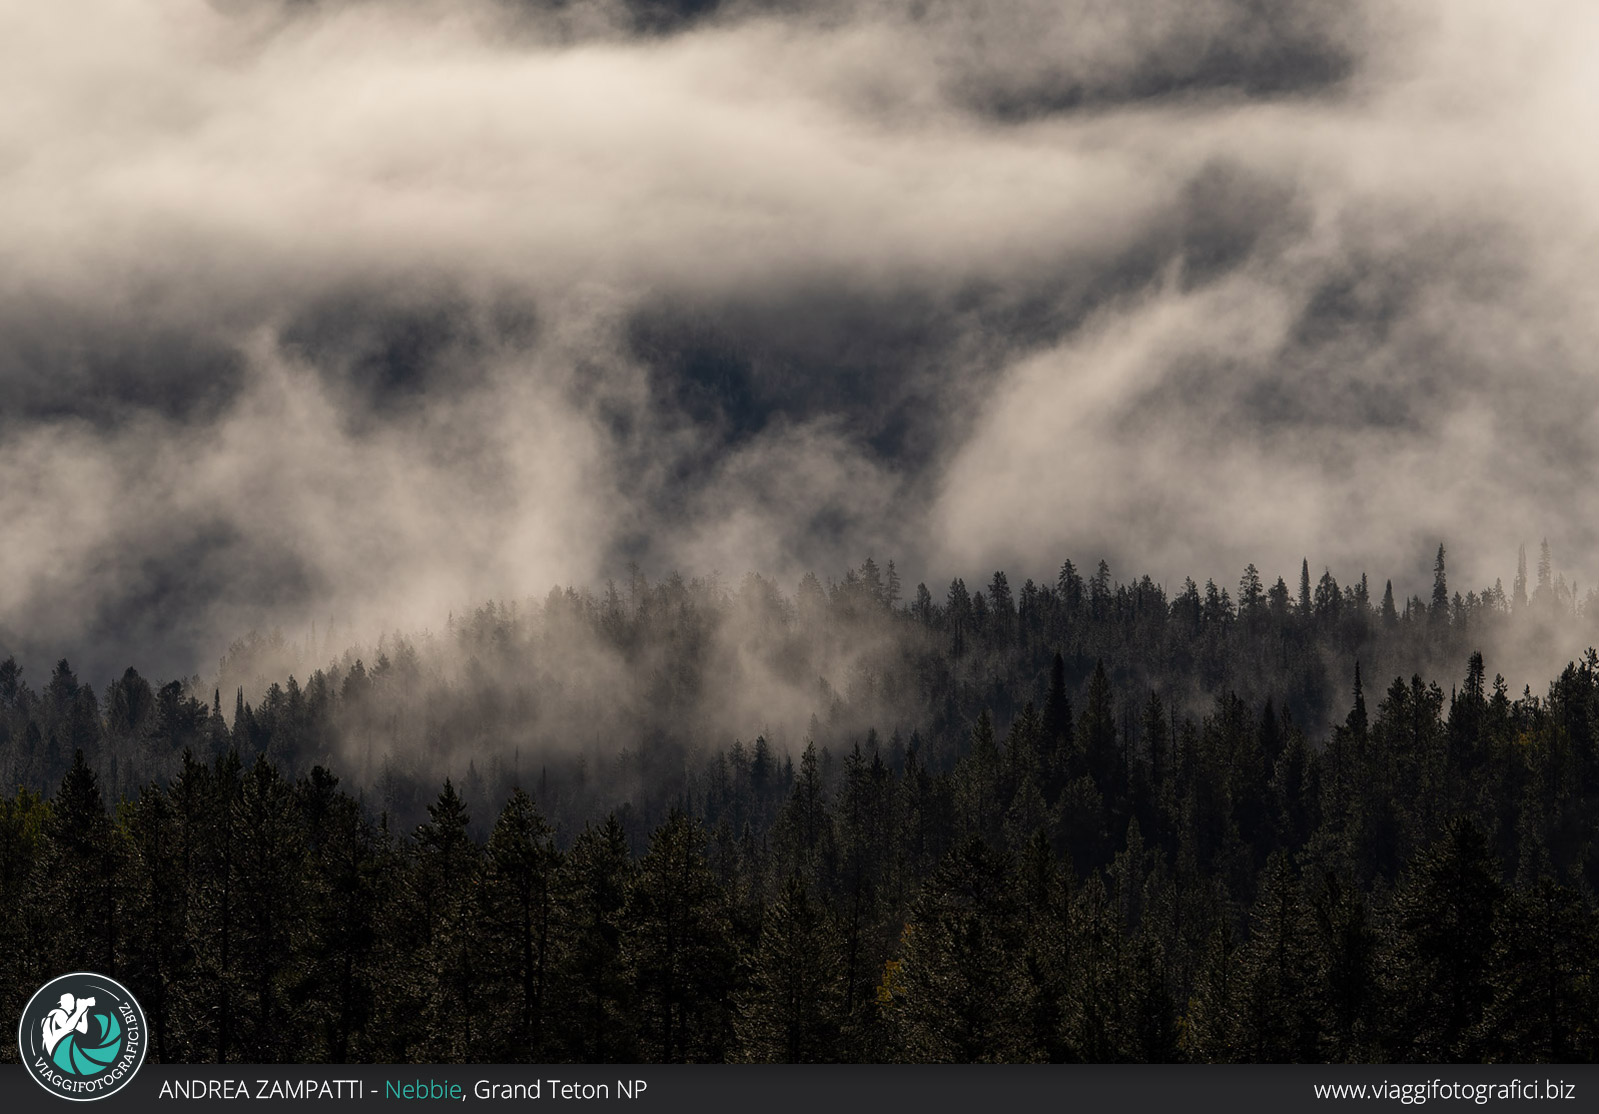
370, 310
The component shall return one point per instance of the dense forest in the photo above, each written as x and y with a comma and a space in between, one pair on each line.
1082, 821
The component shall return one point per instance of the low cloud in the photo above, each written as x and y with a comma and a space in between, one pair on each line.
367, 312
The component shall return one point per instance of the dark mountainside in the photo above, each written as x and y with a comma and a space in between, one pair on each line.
358, 311
1077, 821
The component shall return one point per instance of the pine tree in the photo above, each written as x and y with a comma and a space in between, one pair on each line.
1097, 731
1438, 613
519, 908
1327, 601
1210, 1028
1099, 592
1447, 914
679, 948
1020, 792
343, 886
443, 899
1070, 586
1276, 1022
963, 987
803, 830
1044, 896
859, 877
1545, 1004
81, 868
978, 808
1057, 750
1096, 1022
871, 580
592, 993
1251, 593
156, 952
271, 874
958, 616
791, 1008
1468, 715
1344, 973
24, 828
1002, 610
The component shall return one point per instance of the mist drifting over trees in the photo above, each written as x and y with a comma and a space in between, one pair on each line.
334, 333
1082, 821
371, 311
679, 668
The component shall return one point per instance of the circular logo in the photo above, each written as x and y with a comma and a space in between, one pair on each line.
82, 1036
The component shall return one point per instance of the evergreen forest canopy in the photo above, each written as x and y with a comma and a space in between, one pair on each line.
1078, 821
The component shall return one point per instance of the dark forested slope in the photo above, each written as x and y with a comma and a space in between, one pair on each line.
1083, 821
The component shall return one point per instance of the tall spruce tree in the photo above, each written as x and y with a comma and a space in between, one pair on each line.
592, 994
519, 915
791, 1007
963, 986
679, 948
1442, 960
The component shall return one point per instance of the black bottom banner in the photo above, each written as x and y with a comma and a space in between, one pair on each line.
832, 1089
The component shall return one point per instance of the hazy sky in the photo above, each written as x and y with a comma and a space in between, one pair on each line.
368, 311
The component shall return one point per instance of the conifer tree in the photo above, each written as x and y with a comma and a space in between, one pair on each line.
1438, 613
157, 956
519, 908
1211, 1022
593, 1015
343, 884
679, 948
1097, 731
1343, 991
81, 872
1251, 593
791, 1007
1044, 896
1447, 913
1057, 743
271, 873
1096, 1024
24, 827
1545, 984
1276, 1022
1070, 586
1387, 611
442, 897
963, 990
803, 831
978, 808
1099, 592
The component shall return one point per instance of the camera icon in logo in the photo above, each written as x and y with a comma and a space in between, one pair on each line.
82, 1036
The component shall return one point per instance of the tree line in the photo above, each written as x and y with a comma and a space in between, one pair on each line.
1084, 822
1418, 889
612, 700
